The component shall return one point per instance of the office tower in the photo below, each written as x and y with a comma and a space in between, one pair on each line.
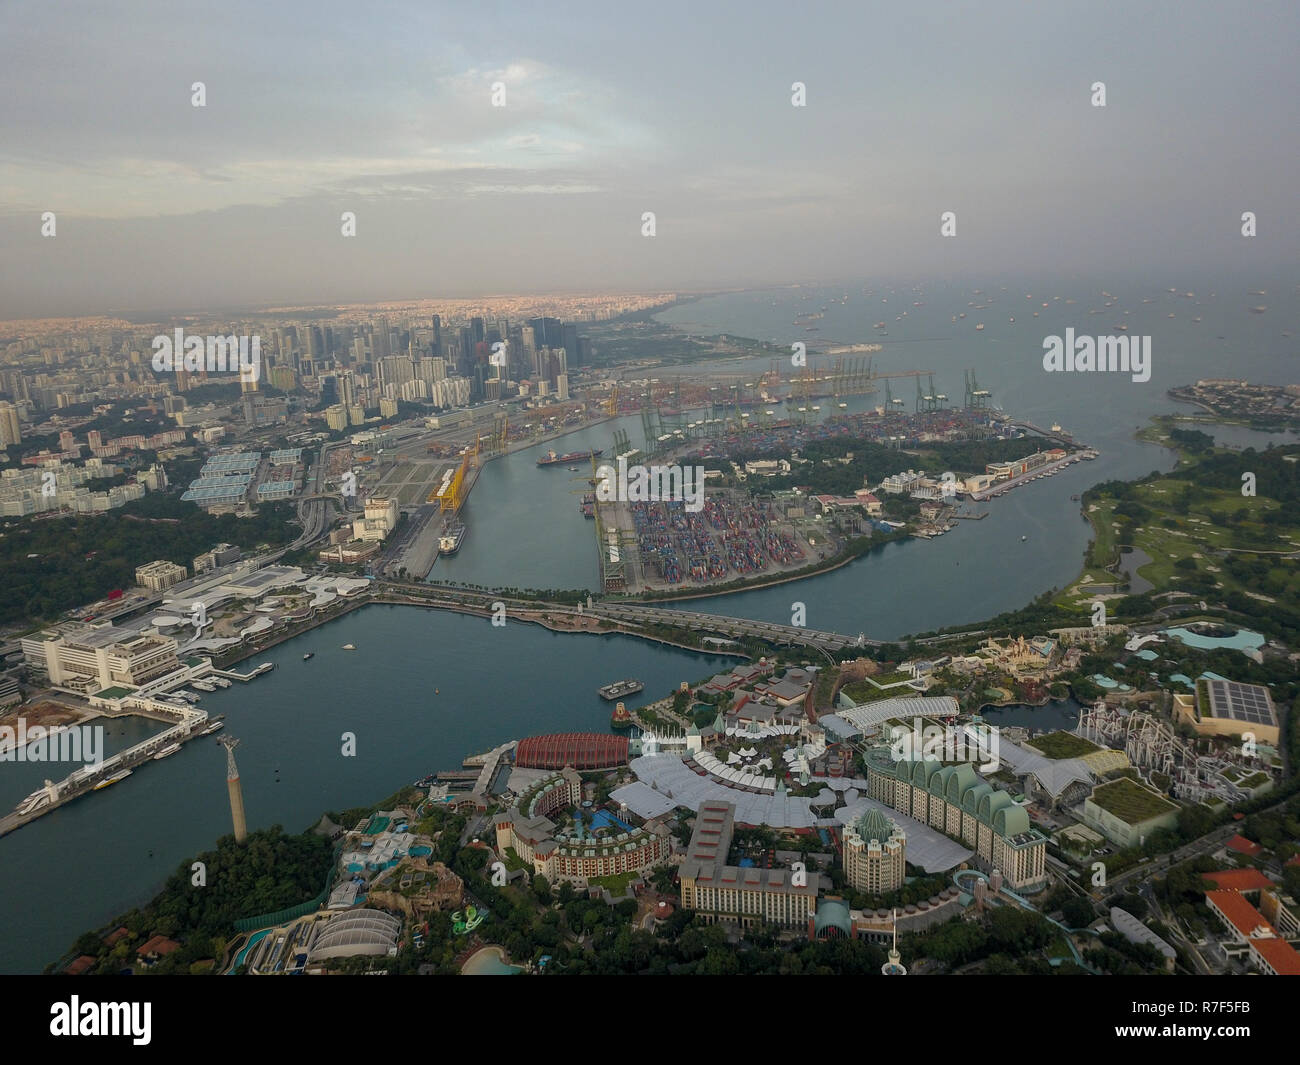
379, 340
11, 431
347, 388
548, 332
235, 789
437, 334
569, 341
478, 329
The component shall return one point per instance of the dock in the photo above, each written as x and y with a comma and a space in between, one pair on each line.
191, 723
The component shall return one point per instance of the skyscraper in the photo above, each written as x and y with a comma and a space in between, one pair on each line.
11, 431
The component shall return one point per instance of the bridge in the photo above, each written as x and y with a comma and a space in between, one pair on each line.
475, 601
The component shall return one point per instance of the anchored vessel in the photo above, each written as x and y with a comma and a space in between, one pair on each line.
552, 459
620, 688
450, 541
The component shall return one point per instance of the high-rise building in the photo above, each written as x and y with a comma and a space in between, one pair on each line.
11, 431
379, 340
874, 854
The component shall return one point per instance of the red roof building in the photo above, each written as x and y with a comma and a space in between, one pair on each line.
1247, 881
1241, 845
81, 965
1275, 957
582, 750
1239, 915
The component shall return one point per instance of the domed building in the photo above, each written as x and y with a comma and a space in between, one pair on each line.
874, 855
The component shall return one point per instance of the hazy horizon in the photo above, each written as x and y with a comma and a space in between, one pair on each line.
680, 110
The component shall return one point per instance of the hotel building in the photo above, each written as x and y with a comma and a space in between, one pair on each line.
743, 896
958, 802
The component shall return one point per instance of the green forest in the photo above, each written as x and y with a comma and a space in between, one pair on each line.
269, 871
51, 566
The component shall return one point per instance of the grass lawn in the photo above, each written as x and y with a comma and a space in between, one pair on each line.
1062, 745
616, 885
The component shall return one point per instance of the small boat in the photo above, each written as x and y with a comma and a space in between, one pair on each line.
308, 655
113, 779
349, 647
1023, 539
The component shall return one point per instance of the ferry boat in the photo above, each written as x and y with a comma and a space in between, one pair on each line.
213, 726
220, 682
122, 775
167, 751
450, 541
204, 686
621, 688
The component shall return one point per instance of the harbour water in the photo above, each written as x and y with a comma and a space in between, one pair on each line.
84, 863
80, 865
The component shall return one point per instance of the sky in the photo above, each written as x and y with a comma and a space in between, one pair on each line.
681, 109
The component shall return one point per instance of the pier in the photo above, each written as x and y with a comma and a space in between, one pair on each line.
81, 781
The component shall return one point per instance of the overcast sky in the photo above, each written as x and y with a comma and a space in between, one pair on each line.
384, 109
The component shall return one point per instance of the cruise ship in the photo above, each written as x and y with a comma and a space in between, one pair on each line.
33, 802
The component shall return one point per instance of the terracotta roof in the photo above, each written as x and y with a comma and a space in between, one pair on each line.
86, 961
1279, 954
1242, 845
1238, 879
160, 945
1238, 912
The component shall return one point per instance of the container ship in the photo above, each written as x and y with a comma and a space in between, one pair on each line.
620, 688
552, 459
450, 541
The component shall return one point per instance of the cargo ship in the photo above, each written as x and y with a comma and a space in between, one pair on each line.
552, 459
620, 688
451, 539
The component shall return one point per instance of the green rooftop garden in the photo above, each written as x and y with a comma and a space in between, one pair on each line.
1131, 802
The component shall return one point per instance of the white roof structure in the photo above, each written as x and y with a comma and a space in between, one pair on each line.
368, 932
1136, 932
642, 800
1053, 774
870, 715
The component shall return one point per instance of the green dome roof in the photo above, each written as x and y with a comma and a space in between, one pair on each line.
874, 825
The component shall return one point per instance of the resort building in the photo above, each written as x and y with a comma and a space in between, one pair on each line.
745, 896
957, 801
874, 854
575, 853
